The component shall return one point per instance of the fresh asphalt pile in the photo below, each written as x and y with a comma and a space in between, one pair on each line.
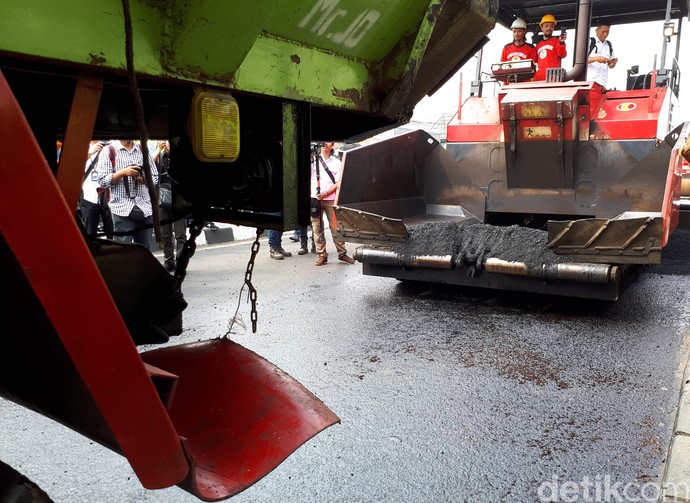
475, 243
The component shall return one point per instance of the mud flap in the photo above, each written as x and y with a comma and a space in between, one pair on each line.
239, 415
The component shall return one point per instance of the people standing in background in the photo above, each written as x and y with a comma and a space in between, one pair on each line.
302, 235
94, 198
276, 250
325, 180
120, 170
173, 234
550, 50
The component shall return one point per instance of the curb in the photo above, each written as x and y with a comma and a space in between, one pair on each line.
224, 233
676, 478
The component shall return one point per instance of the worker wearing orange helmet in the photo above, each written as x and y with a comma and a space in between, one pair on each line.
550, 50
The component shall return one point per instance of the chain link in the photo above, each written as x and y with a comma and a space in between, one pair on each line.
237, 318
248, 280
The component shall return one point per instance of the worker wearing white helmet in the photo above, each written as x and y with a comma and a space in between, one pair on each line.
518, 48
519, 23
551, 50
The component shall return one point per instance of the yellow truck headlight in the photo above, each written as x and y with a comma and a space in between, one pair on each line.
215, 127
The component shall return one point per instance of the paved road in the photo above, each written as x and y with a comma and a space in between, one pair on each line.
444, 394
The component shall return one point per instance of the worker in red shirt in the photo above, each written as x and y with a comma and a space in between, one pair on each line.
551, 50
518, 49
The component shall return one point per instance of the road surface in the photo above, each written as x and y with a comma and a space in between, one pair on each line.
444, 394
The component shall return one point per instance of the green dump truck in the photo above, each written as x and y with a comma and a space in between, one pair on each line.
240, 90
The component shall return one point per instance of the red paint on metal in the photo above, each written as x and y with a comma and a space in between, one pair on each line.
670, 210
473, 133
480, 122
629, 115
239, 414
87, 96
62, 273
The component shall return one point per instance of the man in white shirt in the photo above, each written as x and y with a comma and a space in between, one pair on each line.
325, 180
600, 59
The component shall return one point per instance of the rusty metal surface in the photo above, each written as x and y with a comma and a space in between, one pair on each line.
497, 281
610, 177
407, 176
360, 226
630, 239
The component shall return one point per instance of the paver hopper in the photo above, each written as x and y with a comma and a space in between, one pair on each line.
537, 189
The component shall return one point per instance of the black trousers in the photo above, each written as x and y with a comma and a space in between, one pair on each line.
92, 213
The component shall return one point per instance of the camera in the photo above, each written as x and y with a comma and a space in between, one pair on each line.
316, 148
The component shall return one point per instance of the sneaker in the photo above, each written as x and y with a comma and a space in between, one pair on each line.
212, 226
321, 260
346, 259
285, 253
276, 254
294, 238
302, 251
169, 265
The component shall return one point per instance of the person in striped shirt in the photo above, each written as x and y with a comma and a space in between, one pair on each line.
120, 169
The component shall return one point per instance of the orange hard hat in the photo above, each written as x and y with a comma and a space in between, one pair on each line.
548, 18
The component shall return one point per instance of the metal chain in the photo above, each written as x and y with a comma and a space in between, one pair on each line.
237, 318
248, 279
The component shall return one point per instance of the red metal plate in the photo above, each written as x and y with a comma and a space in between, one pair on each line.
241, 416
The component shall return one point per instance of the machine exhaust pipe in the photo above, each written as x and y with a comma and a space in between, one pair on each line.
584, 12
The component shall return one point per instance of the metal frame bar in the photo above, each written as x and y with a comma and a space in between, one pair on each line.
63, 275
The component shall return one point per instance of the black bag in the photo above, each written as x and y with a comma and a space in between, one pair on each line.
315, 207
137, 214
165, 197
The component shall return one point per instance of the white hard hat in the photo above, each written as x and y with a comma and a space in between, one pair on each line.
519, 23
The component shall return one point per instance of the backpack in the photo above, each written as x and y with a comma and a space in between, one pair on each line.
593, 44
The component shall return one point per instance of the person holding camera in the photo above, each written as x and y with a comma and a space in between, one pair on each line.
120, 170
325, 180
